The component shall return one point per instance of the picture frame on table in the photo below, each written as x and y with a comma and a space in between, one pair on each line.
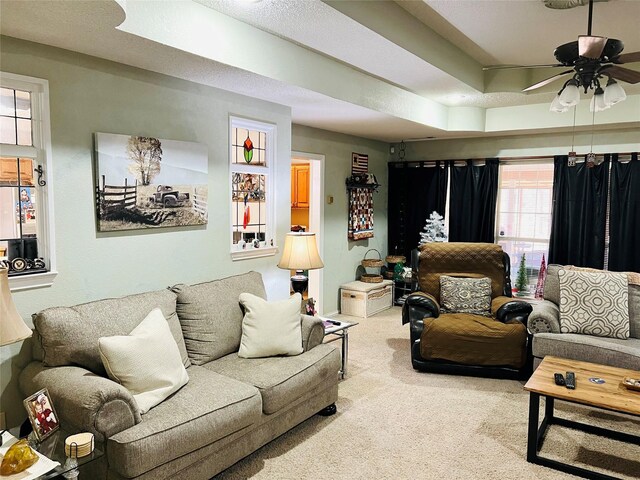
42, 414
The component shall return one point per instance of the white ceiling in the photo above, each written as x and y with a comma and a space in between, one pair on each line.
384, 70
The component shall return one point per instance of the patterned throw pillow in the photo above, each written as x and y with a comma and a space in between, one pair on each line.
465, 295
594, 303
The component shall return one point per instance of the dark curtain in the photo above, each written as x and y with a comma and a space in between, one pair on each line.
579, 213
415, 190
472, 208
624, 216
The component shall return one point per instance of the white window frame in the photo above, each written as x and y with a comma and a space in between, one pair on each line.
41, 153
497, 237
269, 171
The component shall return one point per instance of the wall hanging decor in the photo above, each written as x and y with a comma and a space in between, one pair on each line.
147, 182
360, 187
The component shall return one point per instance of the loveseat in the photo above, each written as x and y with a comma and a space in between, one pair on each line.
230, 406
544, 323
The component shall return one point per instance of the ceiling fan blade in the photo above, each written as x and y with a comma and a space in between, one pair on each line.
621, 73
514, 67
590, 46
547, 81
627, 58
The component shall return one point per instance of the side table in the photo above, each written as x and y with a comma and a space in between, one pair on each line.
339, 332
68, 468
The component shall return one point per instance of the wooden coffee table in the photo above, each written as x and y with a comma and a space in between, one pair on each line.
610, 395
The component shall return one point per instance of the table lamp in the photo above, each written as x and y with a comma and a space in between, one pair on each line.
300, 253
12, 327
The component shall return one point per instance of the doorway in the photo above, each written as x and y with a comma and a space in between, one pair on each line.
307, 171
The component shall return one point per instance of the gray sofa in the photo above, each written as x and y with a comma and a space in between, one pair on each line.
544, 323
230, 407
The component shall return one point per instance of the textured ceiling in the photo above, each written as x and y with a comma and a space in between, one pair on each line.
521, 32
385, 70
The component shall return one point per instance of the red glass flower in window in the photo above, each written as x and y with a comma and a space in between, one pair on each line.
248, 150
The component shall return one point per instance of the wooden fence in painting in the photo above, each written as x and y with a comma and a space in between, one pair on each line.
116, 197
200, 203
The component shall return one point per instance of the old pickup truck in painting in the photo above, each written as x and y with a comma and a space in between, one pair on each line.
166, 196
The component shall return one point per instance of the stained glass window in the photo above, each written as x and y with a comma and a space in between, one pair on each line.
249, 213
249, 147
252, 225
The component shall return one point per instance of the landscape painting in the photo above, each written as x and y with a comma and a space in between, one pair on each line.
147, 182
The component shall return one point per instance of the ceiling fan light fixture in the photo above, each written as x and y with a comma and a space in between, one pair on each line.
597, 102
570, 95
613, 93
557, 107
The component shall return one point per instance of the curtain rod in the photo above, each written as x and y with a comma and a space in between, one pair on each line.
530, 157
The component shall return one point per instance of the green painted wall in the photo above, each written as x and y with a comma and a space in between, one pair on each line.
90, 95
342, 256
604, 141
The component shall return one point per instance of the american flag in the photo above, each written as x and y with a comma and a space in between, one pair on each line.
359, 163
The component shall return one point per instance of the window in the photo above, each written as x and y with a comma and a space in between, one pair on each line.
26, 235
252, 196
524, 215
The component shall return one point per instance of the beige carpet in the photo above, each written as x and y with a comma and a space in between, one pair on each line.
396, 423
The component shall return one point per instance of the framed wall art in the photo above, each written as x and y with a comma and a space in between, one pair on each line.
147, 182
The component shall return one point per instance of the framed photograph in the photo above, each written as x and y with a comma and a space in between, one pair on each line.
148, 182
42, 415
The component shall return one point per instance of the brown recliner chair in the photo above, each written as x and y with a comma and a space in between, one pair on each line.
463, 343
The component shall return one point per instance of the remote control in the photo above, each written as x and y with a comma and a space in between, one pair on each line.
571, 380
559, 379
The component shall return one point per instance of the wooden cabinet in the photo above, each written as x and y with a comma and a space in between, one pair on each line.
9, 171
299, 186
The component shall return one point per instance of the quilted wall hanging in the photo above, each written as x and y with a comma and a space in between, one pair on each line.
360, 187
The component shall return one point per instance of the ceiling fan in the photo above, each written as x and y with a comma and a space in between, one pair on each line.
588, 60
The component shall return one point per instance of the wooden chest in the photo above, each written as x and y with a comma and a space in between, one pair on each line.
361, 299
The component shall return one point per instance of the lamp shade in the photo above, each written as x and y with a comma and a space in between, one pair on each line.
597, 102
613, 93
570, 95
12, 327
300, 252
558, 107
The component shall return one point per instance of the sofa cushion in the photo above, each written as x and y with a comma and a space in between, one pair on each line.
552, 293
270, 328
465, 295
634, 311
146, 362
594, 303
281, 380
551, 289
208, 408
615, 352
474, 340
211, 316
69, 335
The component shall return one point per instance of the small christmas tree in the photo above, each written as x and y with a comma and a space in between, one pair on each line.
541, 276
522, 283
433, 230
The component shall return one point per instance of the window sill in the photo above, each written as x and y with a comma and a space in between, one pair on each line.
27, 282
254, 253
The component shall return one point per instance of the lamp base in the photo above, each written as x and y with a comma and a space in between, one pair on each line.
299, 282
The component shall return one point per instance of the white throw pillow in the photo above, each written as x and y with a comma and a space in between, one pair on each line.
146, 362
594, 303
270, 328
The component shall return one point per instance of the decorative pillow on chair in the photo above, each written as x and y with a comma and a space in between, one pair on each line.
147, 362
270, 328
594, 303
465, 295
